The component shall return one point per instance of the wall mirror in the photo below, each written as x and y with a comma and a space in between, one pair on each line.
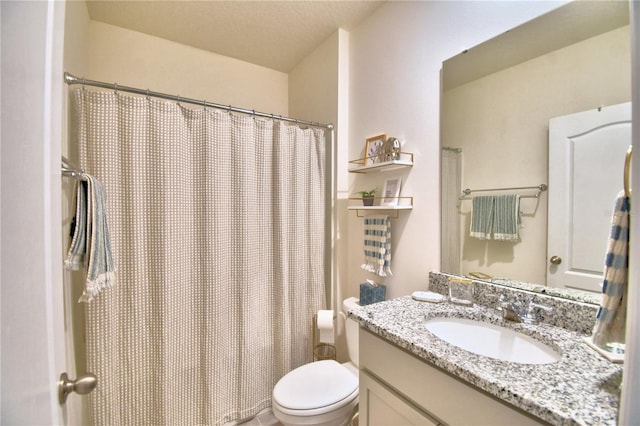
497, 101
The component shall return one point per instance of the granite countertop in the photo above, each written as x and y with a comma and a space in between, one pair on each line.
581, 388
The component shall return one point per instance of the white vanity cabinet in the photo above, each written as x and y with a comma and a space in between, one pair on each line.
398, 388
382, 406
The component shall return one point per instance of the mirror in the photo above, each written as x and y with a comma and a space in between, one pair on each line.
497, 100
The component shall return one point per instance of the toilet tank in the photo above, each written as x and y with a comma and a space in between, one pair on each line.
351, 329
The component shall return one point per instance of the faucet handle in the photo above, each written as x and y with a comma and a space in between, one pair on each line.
533, 310
499, 300
533, 305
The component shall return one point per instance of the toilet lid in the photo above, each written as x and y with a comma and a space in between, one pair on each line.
315, 385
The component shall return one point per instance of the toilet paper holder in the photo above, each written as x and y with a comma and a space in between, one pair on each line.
321, 351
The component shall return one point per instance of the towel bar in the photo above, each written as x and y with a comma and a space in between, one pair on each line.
541, 188
70, 169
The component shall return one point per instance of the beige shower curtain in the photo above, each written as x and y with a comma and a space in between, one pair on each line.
450, 190
217, 227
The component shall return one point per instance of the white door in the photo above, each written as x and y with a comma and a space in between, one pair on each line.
34, 352
586, 162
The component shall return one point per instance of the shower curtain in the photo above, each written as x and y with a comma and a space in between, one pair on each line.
217, 227
451, 188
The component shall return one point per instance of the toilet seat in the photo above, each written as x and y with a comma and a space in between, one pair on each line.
315, 388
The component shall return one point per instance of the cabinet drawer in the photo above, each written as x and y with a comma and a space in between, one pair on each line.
435, 391
381, 406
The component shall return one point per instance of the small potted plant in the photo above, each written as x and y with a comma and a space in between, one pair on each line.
367, 196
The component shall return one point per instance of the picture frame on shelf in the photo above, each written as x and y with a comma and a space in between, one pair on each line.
373, 149
391, 191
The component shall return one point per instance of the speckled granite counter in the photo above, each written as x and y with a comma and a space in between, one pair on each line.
581, 388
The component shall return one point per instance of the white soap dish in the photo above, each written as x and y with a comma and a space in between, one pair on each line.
428, 296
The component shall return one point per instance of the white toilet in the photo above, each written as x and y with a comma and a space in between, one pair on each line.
322, 392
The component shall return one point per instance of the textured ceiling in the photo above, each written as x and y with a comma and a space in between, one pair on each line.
274, 34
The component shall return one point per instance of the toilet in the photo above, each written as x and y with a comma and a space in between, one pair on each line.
321, 392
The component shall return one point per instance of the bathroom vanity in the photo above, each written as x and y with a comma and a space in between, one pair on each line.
408, 375
398, 388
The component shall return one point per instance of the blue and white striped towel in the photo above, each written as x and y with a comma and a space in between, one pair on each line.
611, 316
377, 245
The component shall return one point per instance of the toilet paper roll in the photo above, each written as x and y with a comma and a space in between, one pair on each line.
325, 326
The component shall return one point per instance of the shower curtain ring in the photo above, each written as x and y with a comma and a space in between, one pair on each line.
147, 93
115, 88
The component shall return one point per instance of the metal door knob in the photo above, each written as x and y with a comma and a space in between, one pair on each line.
82, 385
556, 260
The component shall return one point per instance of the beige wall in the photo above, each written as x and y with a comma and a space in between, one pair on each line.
395, 62
501, 124
313, 84
130, 58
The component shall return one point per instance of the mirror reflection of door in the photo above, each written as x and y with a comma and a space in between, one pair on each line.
586, 163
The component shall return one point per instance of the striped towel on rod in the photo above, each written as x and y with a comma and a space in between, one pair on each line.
90, 244
496, 217
77, 248
506, 218
377, 245
482, 217
611, 316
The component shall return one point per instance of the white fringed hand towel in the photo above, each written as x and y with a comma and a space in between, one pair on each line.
90, 244
377, 245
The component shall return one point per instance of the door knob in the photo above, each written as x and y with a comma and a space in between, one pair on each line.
556, 260
82, 385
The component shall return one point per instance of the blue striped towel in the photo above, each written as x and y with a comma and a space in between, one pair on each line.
377, 245
77, 248
90, 245
496, 217
506, 218
611, 316
482, 217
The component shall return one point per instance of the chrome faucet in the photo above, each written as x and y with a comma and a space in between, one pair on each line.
528, 314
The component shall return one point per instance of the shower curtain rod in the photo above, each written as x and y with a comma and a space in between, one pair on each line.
71, 79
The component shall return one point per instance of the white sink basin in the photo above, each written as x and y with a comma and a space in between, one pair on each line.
492, 341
